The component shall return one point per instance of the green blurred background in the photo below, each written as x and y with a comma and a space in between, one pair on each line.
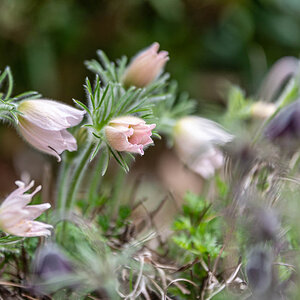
46, 41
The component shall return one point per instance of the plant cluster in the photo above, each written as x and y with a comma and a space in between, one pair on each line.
237, 239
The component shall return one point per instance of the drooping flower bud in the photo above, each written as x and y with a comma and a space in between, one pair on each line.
51, 270
263, 110
129, 134
43, 124
196, 143
284, 129
145, 67
282, 69
17, 218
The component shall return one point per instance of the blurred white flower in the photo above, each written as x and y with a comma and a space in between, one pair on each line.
43, 124
129, 134
145, 67
16, 217
263, 110
196, 143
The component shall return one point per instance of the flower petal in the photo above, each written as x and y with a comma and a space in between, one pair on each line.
49, 141
49, 114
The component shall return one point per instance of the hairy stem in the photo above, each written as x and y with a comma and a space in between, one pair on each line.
96, 180
77, 176
62, 185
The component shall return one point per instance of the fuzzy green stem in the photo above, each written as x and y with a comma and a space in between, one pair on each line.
96, 179
78, 175
62, 185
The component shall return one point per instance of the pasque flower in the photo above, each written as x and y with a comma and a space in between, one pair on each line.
50, 261
17, 218
145, 67
51, 270
43, 124
196, 143
129, 134
284, 129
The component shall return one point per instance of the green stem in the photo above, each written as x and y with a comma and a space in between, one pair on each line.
78, 175
62, 184
96, 180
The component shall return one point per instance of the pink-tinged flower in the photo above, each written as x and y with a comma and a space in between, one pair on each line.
145, 67
16, 217
129, 134
196, 143
43, 124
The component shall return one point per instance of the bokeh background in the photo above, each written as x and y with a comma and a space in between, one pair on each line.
210, 42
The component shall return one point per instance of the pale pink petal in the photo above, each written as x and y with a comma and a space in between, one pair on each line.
51, 142
118, 138
22, 188
19, 200
16, 218
142, 134
145, 67
129, 134
127, 121
31, 229
9, 218
34, 211
50, 115
68, 140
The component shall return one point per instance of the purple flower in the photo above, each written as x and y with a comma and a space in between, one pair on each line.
285, 127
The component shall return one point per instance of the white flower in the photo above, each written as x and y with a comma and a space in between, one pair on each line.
16, 217
43, 124
263, 110
196, 143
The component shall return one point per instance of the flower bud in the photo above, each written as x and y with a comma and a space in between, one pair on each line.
282, 69
129, 134
51, 269
145, 67
284, 129
196, 143
263, 110
43, 124
50, 261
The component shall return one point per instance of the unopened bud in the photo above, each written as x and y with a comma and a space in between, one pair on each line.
145, 67
284, 129
263, 110
51, 270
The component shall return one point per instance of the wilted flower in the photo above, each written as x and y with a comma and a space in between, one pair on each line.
285, 127
16, 217
196, 143
263, 110
145, 67
129, 134
43, 124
